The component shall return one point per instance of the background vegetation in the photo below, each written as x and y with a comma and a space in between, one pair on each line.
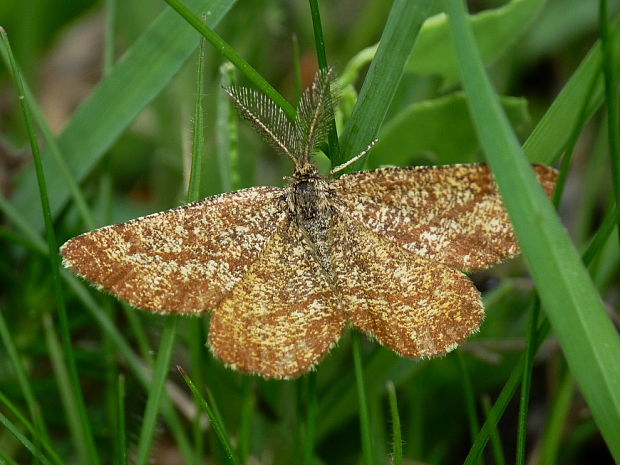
122, 115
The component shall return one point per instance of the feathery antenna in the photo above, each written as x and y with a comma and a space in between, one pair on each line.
315, 113
268, 119
301, 138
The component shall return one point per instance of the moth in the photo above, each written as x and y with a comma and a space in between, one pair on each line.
285, 270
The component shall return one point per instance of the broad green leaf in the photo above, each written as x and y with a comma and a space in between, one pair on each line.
549, 137
495, 31
134, 81
421, 128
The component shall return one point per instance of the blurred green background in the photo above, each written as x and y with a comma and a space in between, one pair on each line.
531, 47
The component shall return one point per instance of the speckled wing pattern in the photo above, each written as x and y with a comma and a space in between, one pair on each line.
413, 305
451, 214
183, 260
283, 316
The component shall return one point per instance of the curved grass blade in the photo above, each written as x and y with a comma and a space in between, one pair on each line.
400, 32
149, 64
550, 136
611, 91
75, 405
589, 340
218, 427
230, 53
367, 452
156, 390
397, 442
321, 54
24, 440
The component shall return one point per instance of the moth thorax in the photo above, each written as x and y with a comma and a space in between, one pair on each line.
308, 198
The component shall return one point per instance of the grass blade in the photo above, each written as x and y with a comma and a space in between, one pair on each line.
402, 27
550, 136
230, 53
109, 45
218, 427
226, 136
470, 400
147, 67
120, 421
49, 448
321, 54
155, 392
611, 92
526, 382
589, 340
496, 444
33, 406
556, 421
82, 434
397, 442
65, 388
367, 454
247, 415
198, 143
310, 430
193, 194
23, 439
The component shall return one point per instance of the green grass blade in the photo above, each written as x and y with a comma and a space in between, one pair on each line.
55, 152
65, 388
147, 67
49, 448
470, 400
526, 382
23, 439
496, 31
550, 136
397, 442
367, 453
198, 144
319, 42
247, 416
402, 27
310, 430
156, 390
81, 430
589, 340
121, 441
109, 44
611, 92
494, 415
496, 443
193, 194
22, 378
226, 136
223, 47
556, 421
218, 427
598, 241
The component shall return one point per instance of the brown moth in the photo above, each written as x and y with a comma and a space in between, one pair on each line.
285, 270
